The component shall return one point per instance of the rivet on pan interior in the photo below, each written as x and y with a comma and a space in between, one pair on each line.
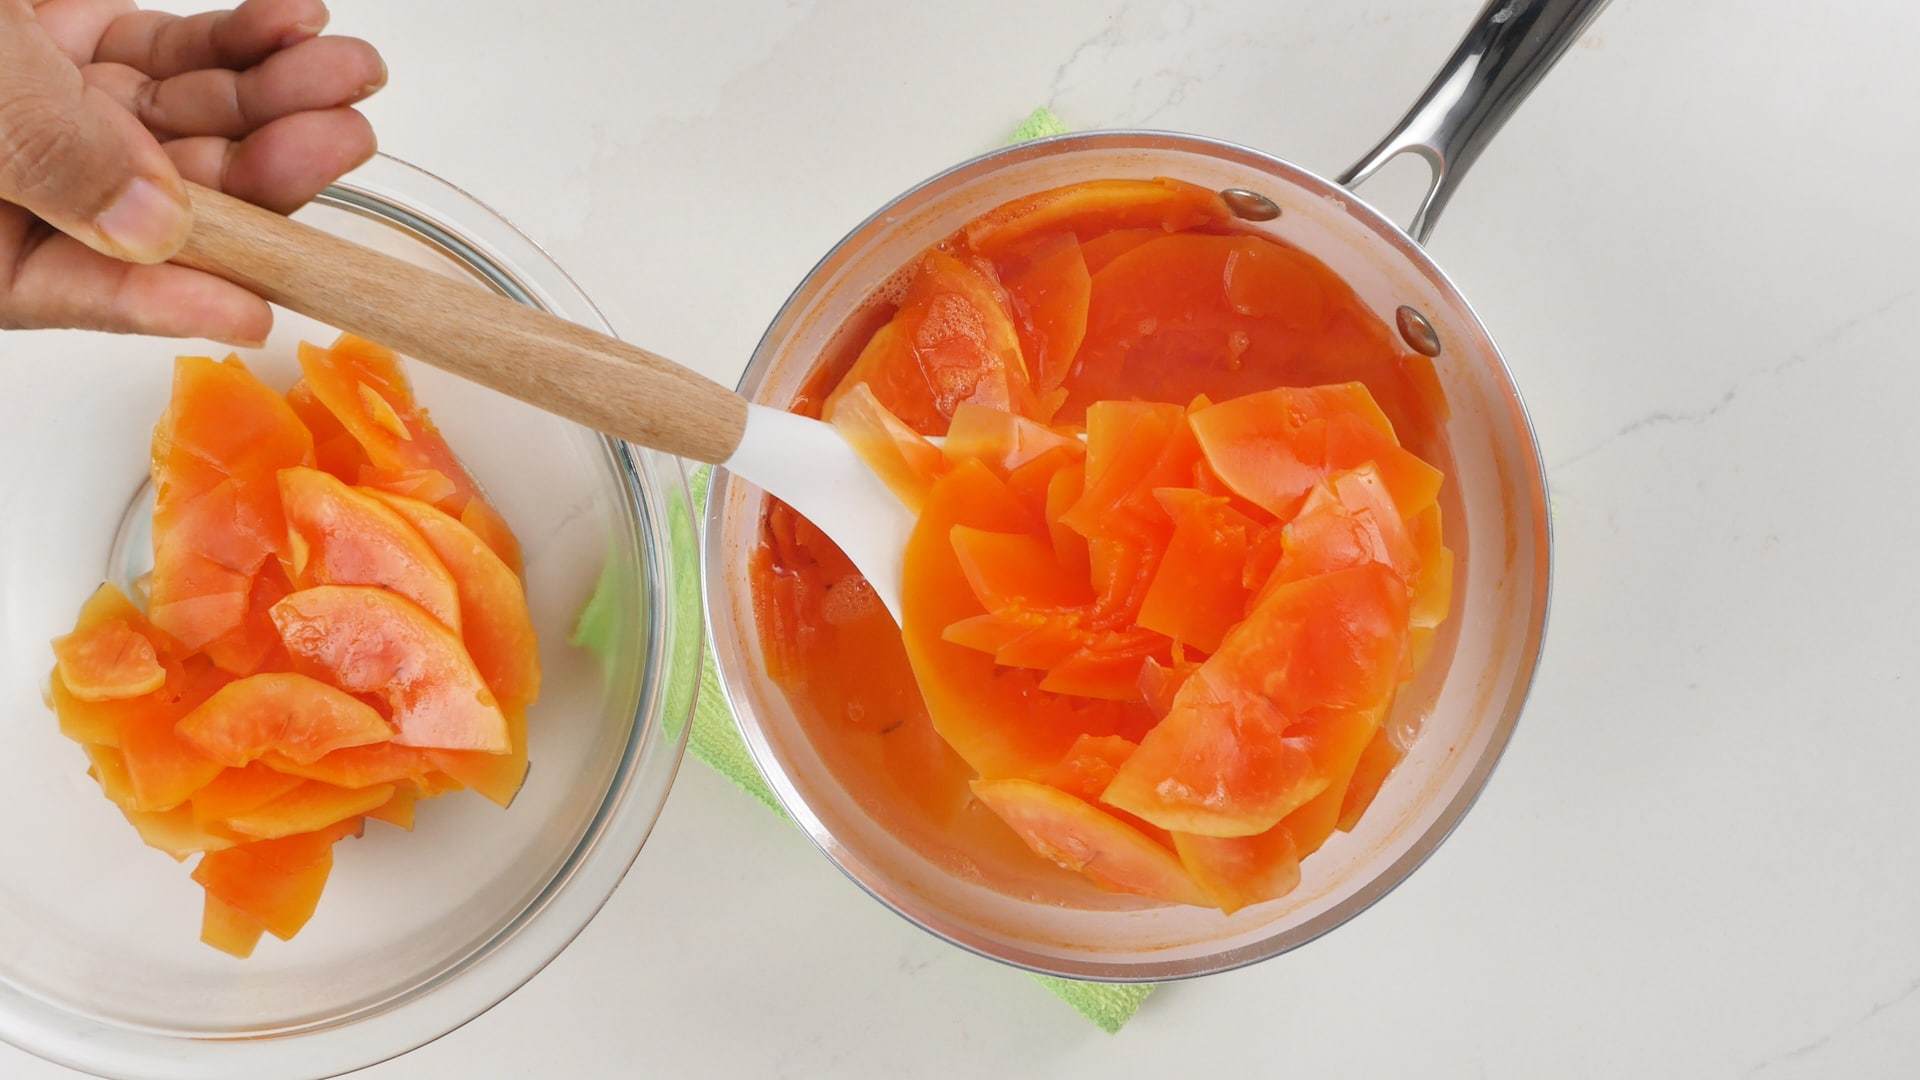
1417, 331
1250, 205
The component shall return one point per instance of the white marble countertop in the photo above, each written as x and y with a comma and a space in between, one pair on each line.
1696, 245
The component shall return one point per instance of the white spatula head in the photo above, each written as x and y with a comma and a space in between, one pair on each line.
810, 467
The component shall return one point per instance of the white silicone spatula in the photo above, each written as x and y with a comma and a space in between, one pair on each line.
566, 369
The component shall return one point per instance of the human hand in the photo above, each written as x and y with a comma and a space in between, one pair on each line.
104, 108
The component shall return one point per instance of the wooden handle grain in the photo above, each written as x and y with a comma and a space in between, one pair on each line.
566, 369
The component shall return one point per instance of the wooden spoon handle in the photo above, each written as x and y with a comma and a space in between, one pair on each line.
569, 370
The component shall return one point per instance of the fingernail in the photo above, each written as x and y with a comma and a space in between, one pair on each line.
379, 80
300, 32
146, 224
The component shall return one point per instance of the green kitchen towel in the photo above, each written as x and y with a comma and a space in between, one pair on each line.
715, 738
1039, 124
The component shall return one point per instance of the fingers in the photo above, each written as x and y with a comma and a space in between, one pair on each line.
283, 165
56, 281
71, 156
322, 73
162, 46
76, 25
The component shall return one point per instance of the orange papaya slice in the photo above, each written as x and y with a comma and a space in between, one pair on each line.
290, 714
903, 458
1240, 871
1093, 207
495, 622
1078, 836
370, 641
340, 536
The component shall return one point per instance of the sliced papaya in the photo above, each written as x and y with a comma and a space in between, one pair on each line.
1046, 641
497, 777
101, 722
427, 485
1014, 571
1240, 871
370, 641
1092, 207
1079, 836
495, 622
1325, 642
1002, 440
966, 697
364, 386
435, 784
108, 662
487, 524
1369, 775
165, 769
1100, 250
1181, 315
236, 791
1224, 762
1433, 583
903, 458
334, 447
311, 806
398, 810
254, 645
1347, 520
358, 766
367, 390
1219, 764
1335, 739
223, 424
229, 929
1089, 764
340, 536
1196, 595
952, 341
177, 831
277, 883
177, 834
994, 631
217, 508
109, 769
110, 654
194, 598
1160, 683
1352, 443
1271, 281
290, 714
1088, 768
1064, 489
1106, 666
1133, 447
1030, 480
1049, 288
1266, 446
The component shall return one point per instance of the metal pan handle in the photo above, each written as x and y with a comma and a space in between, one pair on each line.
1511, 45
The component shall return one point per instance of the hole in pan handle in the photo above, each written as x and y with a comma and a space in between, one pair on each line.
1511, 45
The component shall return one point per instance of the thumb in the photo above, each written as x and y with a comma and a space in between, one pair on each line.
75, 159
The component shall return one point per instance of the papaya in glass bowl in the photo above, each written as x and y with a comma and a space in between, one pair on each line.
416, 932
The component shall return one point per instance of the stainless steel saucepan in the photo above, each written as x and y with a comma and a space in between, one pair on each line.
1463, 709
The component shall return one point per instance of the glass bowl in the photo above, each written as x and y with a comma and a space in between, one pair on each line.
999, 901
101, 968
